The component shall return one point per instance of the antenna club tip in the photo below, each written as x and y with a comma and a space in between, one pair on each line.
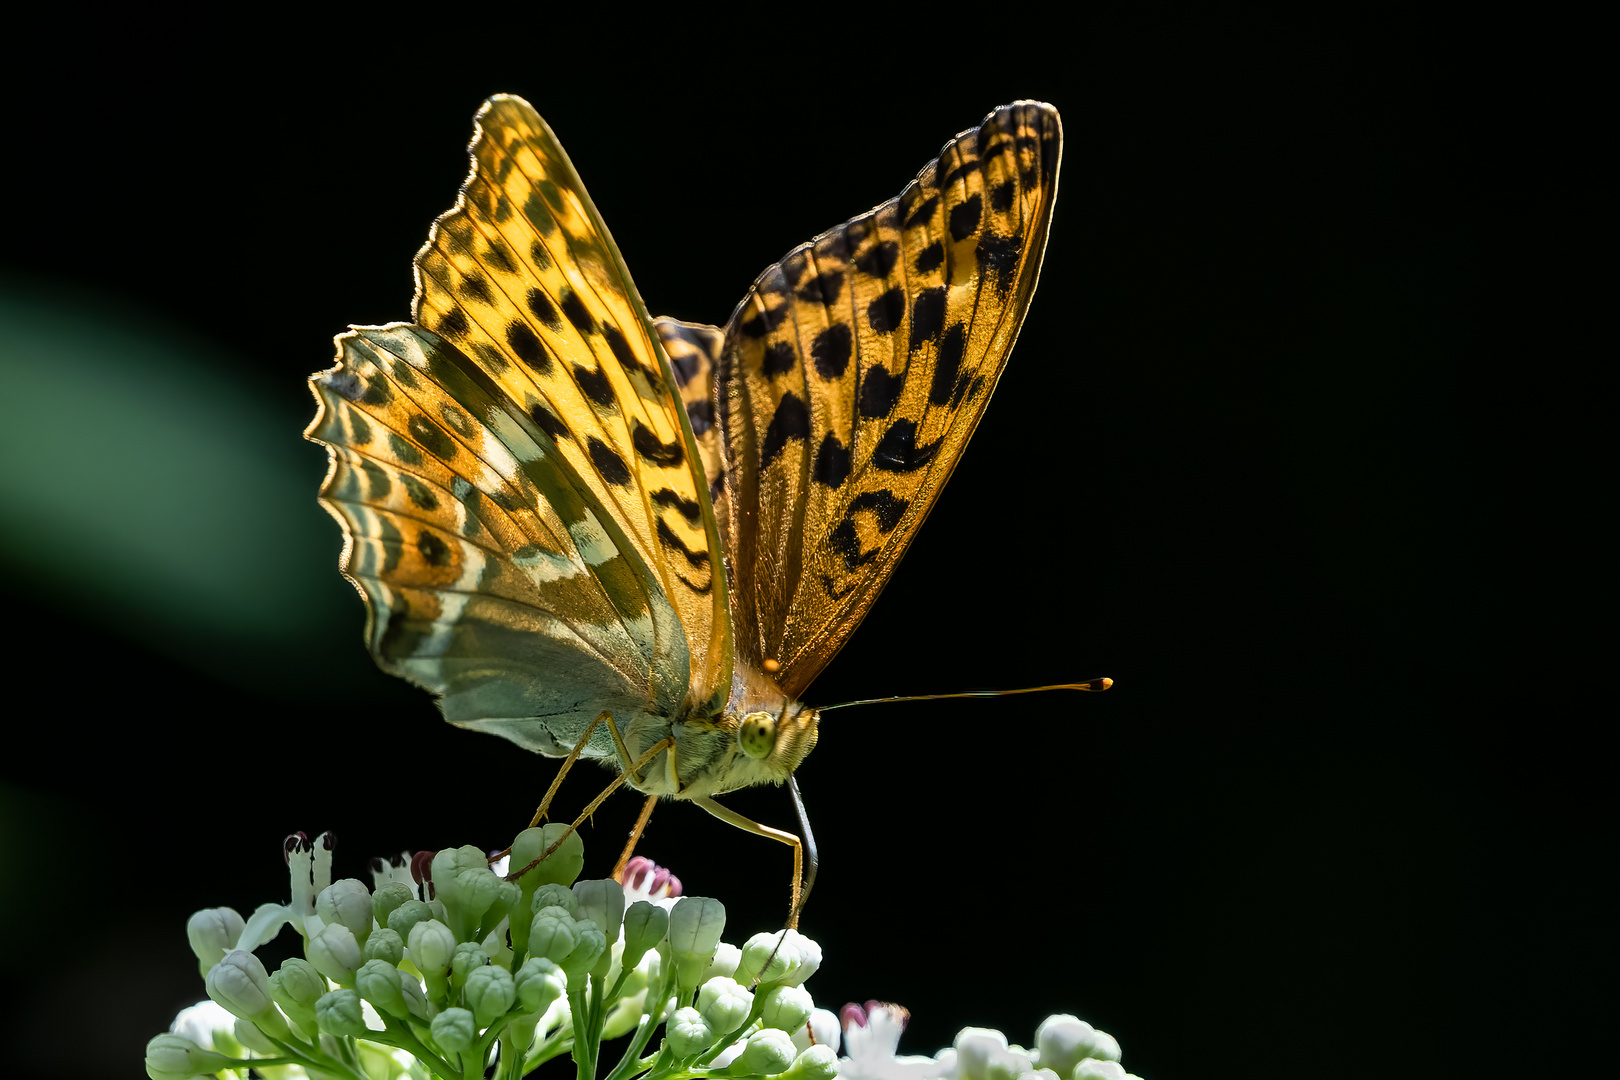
1101, 684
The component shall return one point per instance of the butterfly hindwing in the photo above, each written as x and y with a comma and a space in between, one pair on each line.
523, 278
853, 373
490, 578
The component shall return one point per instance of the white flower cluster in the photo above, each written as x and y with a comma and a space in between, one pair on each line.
448, 968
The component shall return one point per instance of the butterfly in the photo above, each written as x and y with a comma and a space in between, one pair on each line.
562, 512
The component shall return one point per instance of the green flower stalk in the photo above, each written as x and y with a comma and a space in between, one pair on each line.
453, 969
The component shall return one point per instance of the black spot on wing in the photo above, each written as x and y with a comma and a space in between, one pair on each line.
929, 258
670, 499
794, 266
540, 256
573, 308
780, 357
496, 255
898, 451
832, 462
431, 437
474, 286
652, 450
685, 367
621, 348
885, 312
453, 323
544, 310
964, 169
435, 552
701, 416
831, 350
764, 321
594, 382
997, 256
1001, 196
404, 451
948, 364
879, 392
548, 422
884, 504
667, 537
539, 215
823, 288
847, 542
527, 346
927, 315
965, 216
420, 494
879, 260
608, 462
790, 421
923, 212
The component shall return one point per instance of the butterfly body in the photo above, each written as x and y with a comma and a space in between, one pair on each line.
556, 506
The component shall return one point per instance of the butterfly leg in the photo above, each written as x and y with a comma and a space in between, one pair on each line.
652, 751
624, 753
568, 763
635, 836
731, 817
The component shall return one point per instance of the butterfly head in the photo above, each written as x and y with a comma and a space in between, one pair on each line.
778, 742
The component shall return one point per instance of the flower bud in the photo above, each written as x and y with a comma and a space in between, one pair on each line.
591, 948
695, 926
212, 933
817, 1062
822, 1029
976, 1048
489, 993
296, 986
387, 899
1062, 1041
416, 1000
785, 1008
248, 1034
383, 944
538, 983
173, 1057
463, 881
347, 902
1096, 1069
339, 1013
1106, 1047
407, 915
644, 927
467, 958
687, 1033
726, 959
553, 934
561, 866
454, 1030
784, 956
725, 1003
335, 953
381, 983
555, 895
240, 983
602, 902
432, 945
768, 1052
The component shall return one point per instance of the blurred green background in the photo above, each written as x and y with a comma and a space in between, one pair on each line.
1241, 461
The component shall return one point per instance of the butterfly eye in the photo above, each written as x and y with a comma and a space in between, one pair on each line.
757, 736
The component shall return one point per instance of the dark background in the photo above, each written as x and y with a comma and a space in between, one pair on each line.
1241, 462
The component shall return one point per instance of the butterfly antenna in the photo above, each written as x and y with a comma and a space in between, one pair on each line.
1093, 685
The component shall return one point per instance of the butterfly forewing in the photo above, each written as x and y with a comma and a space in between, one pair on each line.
524, 280
853, 373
